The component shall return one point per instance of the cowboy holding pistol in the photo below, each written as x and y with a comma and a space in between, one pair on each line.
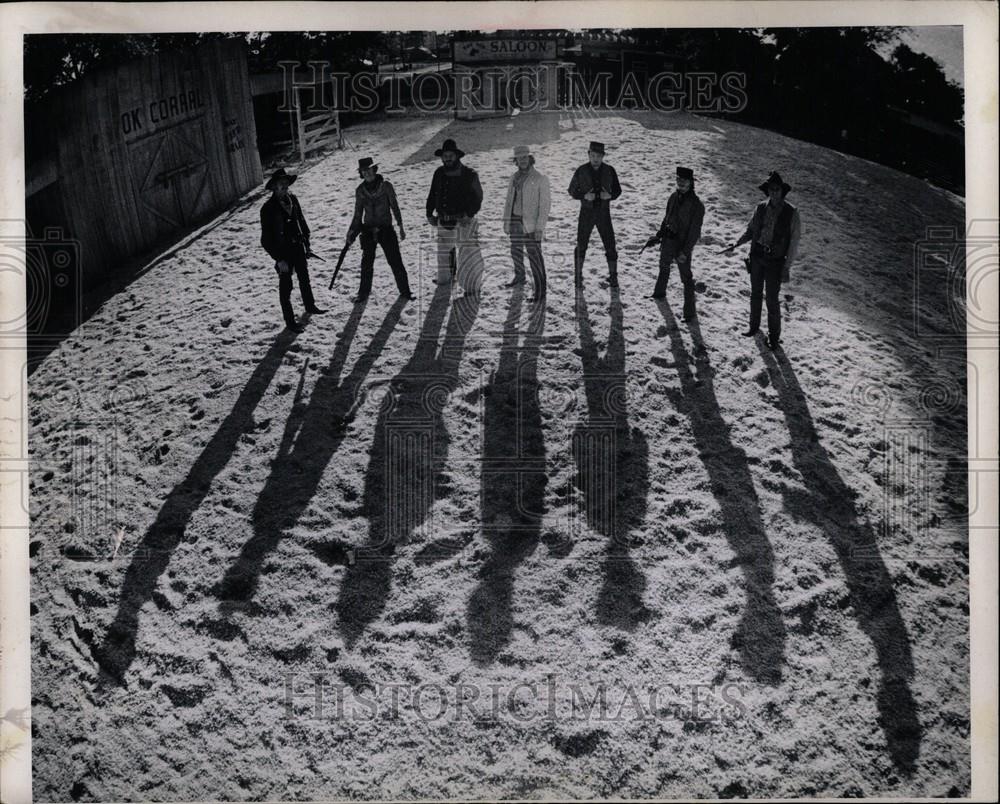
285, 236
678, 233
773, 233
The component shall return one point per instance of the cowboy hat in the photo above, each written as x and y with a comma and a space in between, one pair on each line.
685, 173
367, 162
775, 178
449, 145
280, 174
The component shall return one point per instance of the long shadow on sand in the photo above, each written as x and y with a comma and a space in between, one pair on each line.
612, 468
828, 506
310, 440
405, 468
117, 650
513, 479
760, 636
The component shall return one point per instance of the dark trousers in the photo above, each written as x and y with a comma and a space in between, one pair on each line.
521, 241
765, 284
599, 216
297, 262
385, 236
669, 250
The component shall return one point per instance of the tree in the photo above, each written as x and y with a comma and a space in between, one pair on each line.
924, 89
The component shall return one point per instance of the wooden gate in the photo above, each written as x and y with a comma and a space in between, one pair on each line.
318, 130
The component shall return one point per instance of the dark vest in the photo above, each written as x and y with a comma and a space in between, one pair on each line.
782, 238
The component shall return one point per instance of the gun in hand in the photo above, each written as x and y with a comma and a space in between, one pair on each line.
651, 242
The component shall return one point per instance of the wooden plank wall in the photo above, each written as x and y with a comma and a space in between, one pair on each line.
153, 148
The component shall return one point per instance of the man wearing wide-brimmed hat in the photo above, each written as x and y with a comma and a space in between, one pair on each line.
595, 185
375, 206
452, 205
525, 213
678, 233
773, 233
285, 236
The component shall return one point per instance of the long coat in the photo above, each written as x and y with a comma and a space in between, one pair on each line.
685, 214
283, 234
536, 201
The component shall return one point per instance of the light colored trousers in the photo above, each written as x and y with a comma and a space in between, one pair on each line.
464, 241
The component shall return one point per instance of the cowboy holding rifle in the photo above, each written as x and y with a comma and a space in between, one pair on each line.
375, 206
285, 237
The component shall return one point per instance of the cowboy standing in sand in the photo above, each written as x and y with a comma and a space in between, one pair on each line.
525, 213
595, 185
452, 204
375, 206
678, 233
774, 231
285, 236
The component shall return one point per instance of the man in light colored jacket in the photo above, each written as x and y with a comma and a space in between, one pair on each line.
525, 213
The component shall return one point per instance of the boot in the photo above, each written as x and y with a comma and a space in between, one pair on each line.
613, 273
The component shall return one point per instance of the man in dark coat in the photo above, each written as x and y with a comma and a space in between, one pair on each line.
453, 202
375, 206
595, 185
285, 236
774, 231
678, 233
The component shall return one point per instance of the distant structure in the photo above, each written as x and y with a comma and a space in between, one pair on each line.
496, 75
621, 58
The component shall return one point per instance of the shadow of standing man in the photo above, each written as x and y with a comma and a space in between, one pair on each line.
405, 473
312, 437
612, 468
873, 599
513, 479
117, 650
760, 636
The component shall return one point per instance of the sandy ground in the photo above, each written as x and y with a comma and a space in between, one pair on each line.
244, 541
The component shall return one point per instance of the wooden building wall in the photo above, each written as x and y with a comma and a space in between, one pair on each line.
151, 148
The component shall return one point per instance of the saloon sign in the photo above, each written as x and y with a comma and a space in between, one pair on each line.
494, 50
